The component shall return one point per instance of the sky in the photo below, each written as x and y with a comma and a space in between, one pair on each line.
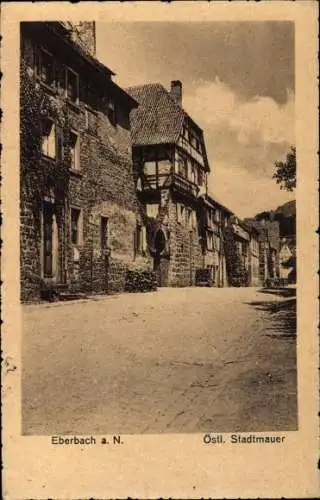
238, 85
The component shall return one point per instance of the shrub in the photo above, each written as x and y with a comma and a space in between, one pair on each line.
239, 278
203, 277
140, 281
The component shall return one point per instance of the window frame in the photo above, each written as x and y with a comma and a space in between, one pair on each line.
210, 247
181, 213
53, 124
67, 70
75, 168
140, 240
79, 241
38, 64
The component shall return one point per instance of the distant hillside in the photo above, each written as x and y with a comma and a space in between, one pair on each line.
286, 215
288, 209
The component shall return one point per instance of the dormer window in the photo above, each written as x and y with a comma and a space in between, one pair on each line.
72, 85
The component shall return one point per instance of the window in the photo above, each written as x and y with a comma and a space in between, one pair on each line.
181, 213
104, 233
152, 210
216, 243
209, 213
149, 168
48, 139
112, 113
76, 236
209, 241
244, 249
193, 174
191, 218
182, 166
164, 167
194, 219
45, 66
74, 151
140, 239
72, 85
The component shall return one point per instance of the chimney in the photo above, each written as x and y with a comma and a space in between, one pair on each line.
176, 91
83, 34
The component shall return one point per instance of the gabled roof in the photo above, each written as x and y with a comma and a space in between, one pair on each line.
64, 45
158, 119
212, 200
240, 231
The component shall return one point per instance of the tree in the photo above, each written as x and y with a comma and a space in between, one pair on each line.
285, 173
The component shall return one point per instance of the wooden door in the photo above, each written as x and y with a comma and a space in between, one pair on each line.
47, 240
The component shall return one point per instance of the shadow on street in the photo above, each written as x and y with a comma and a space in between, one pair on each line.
283, 313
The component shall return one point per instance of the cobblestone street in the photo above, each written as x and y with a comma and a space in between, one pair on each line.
177, 360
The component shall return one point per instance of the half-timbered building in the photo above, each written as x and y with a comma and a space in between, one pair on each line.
171, 170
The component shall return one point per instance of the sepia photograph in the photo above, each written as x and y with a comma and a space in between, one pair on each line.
158, 235
160, 250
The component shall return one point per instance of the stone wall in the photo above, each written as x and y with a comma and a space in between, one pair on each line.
185, 249
103, 187
183, 254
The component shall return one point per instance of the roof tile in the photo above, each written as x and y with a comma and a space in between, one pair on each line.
158, 119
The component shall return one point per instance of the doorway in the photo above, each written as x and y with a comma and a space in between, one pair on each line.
160, 261
50, 243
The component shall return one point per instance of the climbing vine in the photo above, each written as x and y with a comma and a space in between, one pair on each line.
39, 178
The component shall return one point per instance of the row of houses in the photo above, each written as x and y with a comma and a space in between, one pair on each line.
116, 179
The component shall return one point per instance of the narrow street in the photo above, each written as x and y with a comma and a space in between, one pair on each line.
177, 360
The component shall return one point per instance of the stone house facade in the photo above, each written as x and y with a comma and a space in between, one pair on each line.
171, 169
80, 217
254, 252
213, 219
113, 180
268, 238
237, 249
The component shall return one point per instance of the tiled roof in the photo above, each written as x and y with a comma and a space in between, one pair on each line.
158, 119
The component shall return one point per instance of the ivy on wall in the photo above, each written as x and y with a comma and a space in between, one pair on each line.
39, 179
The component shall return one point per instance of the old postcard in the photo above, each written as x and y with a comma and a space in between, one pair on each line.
160, 211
